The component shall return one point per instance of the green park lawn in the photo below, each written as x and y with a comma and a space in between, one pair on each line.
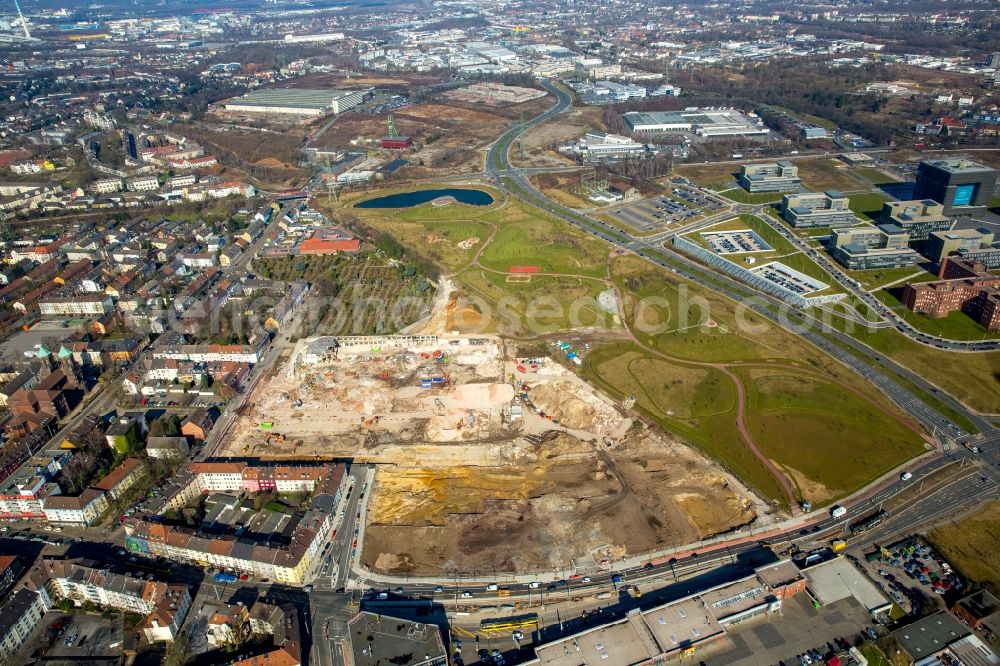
875, 177
868, 206
804, 424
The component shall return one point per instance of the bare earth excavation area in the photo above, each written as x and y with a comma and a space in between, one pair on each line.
482, 466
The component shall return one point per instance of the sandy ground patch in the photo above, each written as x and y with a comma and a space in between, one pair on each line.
540, 505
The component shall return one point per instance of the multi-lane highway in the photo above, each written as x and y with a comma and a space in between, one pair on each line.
975, 482
966, 490
516, 182
845, 348
888, 319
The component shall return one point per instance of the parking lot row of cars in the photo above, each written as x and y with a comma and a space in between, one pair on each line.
697, 198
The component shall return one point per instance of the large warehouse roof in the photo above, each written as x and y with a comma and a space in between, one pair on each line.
838, 579
302, 98
705, 122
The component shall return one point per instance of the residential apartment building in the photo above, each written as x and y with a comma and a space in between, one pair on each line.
198, 260
68, 306
106, 186
182, 180
26, 379
198, 424
144, 184
210, 353
782, 176
817, 209
20, 614
84, 509
120, 479
79, 580
39, 407
11, 569
918, 217
282, 562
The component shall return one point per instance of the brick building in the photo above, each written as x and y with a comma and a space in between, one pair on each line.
964, 285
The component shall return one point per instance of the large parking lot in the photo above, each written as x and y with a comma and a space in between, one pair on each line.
789, 278
914, 575
736, 242
655, 213
698, 198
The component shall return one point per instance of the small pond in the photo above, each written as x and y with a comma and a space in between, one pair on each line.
410, 199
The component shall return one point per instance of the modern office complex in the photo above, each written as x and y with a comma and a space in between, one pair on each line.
297, 101
977, 244
817, 209
866, 247
780, 176
965, 285
918, 218
961, 185
707, 123
598, 145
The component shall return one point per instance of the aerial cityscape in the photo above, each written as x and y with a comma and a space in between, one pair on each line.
499, 333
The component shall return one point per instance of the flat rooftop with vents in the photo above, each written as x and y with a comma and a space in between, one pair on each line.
378, 640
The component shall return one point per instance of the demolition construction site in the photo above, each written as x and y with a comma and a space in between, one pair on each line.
485, 460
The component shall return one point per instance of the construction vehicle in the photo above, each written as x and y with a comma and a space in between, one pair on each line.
633, 591
838, 545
